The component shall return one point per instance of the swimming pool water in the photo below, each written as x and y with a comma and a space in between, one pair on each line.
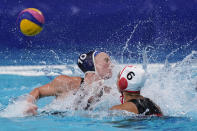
161, 32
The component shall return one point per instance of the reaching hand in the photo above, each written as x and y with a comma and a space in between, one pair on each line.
31, 109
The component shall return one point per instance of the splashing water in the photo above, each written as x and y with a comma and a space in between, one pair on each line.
171, 86
125, 48
16, 108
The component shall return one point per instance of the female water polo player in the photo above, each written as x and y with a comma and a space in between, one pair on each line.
130, 81
96, 66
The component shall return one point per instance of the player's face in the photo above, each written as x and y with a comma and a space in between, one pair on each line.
103, 65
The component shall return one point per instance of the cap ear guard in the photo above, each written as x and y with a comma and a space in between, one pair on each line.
122, 84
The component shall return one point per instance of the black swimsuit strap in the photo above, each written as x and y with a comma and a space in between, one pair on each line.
82, 81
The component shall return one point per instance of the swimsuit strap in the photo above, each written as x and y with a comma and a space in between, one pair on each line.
82, 80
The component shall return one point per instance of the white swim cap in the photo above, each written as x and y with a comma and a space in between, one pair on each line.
132, 79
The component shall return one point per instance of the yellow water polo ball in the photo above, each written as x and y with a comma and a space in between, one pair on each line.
31, 21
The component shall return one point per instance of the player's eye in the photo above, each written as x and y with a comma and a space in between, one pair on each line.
107, 60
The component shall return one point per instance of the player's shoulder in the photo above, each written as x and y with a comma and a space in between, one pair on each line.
67, 78
116, 107
66, 82
128, 106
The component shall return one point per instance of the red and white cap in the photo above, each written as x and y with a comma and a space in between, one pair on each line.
132, 79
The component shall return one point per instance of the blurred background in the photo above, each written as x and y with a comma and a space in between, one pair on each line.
123, 28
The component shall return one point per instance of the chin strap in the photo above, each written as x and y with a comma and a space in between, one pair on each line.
122, 95
122, 98
137, 92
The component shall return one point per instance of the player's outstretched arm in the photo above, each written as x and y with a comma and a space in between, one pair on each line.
57, 86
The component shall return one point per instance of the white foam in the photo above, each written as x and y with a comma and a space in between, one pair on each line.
37, 70
1, 105
17, 108
53, 70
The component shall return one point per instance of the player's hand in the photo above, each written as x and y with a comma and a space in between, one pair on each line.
31, 109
